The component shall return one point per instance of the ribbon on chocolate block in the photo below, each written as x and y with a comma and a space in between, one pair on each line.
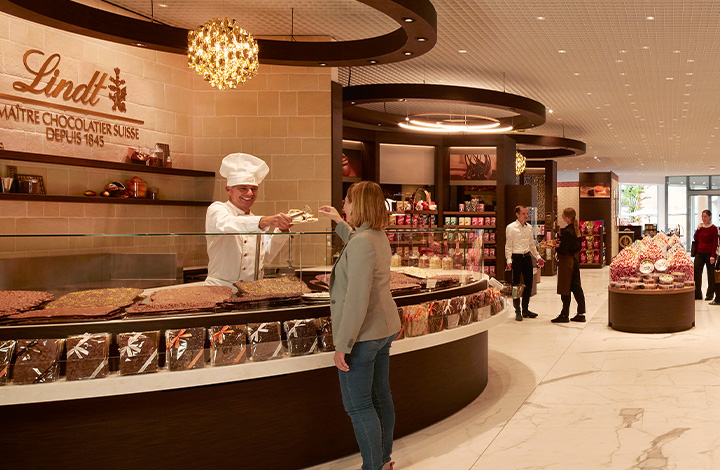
102, 365
220, 335
255, 337
79, 350
148, 362
23, 353
175, 342
242, 353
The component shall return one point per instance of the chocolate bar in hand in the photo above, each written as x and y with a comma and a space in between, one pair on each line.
87, 356
185, 348
138, 352
228, 345
38, 360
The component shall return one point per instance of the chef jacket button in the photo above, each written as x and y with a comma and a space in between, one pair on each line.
245, 254
243, 268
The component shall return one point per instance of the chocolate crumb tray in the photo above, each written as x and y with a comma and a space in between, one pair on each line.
15, 301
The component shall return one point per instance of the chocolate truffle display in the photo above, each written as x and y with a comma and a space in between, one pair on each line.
265, 341
325, 335
138, 352
301, 336
185, 348
7, 348
87, 356
38, 360
228, 345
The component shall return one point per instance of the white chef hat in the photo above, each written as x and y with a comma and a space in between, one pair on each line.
243, 168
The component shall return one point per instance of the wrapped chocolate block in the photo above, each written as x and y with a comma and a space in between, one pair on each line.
7, 347
415, 320
302, 336
401, 333
228, 345
436, 321
325, 336
464, 310
87, 356
451, 312
38, 360
138, 352
265, 341
185, 348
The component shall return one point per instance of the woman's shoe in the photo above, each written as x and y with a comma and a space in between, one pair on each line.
579, 317
562, 318
714, 302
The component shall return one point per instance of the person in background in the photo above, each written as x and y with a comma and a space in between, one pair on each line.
568, 250
365, 321
233, 258
520, 250
717, 268
706, 237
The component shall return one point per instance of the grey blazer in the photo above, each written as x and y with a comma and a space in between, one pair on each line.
361, 304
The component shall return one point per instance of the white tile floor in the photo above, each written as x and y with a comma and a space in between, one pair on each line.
582, 396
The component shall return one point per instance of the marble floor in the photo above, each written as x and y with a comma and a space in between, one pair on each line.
582, 396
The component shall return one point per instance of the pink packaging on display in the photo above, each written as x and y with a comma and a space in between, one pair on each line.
493, 221
583, 257
596, 257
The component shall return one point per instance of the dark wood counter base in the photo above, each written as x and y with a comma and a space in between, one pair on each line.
658, 311
288, 421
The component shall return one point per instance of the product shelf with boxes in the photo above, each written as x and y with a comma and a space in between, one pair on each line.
592, 244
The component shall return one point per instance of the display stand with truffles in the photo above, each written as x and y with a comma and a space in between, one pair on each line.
651, 287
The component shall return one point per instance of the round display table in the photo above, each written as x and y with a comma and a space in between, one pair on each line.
651, 311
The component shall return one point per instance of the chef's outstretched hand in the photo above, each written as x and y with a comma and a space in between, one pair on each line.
280, 221
331, 213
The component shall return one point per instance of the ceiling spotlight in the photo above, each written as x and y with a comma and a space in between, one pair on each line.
462, 51
408, 20
541, 18
646, 47
676, 51
323, 64
651, 17
623, 51
421, 39
550, 111
562, 51
372, 61
407, 53
162, 5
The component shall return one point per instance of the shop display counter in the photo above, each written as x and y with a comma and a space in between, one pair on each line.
651, 311
279, 414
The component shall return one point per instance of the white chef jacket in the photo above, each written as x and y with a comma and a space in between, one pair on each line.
232, 259
519, 240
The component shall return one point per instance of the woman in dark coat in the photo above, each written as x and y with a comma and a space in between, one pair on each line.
568, 253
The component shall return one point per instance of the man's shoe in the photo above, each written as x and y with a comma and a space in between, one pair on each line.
518, 316
529, 314
561, 319
579, 317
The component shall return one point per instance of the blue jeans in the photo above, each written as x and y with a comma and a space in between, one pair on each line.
367, 399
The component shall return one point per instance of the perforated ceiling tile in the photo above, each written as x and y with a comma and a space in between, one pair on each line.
642, 93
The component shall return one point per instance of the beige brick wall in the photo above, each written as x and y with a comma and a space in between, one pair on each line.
282, 116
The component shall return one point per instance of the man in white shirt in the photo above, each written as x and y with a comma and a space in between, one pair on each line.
519, 252
233, 258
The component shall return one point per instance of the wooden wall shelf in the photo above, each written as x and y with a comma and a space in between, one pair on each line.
88, 163
99, 200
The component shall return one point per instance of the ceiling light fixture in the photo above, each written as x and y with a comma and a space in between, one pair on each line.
651, 18
462, 51
223, 53
452, 123
562, 51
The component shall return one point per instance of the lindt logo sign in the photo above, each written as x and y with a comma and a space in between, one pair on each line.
47, 80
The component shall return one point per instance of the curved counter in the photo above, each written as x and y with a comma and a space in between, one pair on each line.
651, 311
280, 414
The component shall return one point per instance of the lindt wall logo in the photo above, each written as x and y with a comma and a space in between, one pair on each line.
91, 129
46, 79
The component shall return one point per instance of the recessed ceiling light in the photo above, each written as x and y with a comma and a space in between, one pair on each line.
541, 18
618, 60
139, 44
372, 61
576, 74
627, 84
323, 64
462, 51
162, 5
688, 73
646, 47
688, 84
408, 20
562, 51
589, 93
691, 60
407, 53
550, 111
622, 74
623, 51
629, 94
651, 17
669, 78
421, 39
676, 51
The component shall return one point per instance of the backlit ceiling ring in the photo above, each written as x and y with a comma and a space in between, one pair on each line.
417, 33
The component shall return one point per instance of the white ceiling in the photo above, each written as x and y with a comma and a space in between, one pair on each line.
643, 94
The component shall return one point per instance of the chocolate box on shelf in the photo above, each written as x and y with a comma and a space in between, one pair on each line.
138, 352
436, 321
38, 360
415, 320
302, 336
87, 356
451, 310
228, 345
265, 341
7, 347
325, 334
185, 348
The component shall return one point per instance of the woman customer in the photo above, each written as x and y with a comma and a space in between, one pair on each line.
706, 237
568, 254
365, 321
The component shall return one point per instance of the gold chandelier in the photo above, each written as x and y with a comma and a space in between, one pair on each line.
223, 53
519, 163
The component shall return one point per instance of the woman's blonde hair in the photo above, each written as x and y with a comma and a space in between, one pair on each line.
570, 213
368, 205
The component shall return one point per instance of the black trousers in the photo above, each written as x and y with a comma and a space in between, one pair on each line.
576, 290
703, 259
523, 266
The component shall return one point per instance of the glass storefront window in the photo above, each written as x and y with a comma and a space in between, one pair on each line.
677, 207
639, 204
699, 182
715, 182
